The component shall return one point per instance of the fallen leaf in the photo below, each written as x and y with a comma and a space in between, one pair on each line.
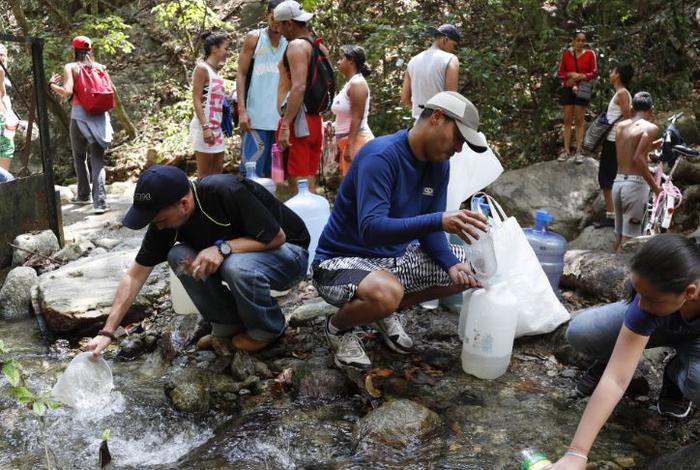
369, 386
381, 372
285, 377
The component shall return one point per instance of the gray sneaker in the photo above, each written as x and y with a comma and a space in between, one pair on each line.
578, 157
394, 334
348, 349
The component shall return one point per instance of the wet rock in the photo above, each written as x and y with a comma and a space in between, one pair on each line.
99, 251
625, 462
44, 243
64, 193
686, 458
179, 334
313, 382
398, 424
565, 190
252, 384
187, 391
310, 310
134, 346
15, 295
107, 243
242, 366
596, 239
633, 245
65, 311
70, 252
601, 275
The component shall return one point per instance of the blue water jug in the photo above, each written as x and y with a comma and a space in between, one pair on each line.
314, 210
267, 183
550, 247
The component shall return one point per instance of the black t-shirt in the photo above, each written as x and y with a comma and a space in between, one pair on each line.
226, 207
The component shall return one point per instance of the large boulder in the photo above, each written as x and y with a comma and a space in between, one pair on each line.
80, 294
188, 391
398, 424
566, 190
317, 383
42, 243
602, 239
15, 295
596, 273
686, 458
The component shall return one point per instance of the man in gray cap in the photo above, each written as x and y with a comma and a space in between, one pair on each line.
434, 70
368, 262
300, 131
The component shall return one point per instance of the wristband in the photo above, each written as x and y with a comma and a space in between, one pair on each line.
205, 127
576, 454
107, 334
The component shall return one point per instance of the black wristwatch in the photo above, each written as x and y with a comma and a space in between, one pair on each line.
224, 248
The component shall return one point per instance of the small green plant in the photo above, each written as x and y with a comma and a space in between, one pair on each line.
36, 403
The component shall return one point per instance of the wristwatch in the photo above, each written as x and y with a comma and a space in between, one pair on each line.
224, 248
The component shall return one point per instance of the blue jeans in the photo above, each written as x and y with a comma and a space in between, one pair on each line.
595, 330
247, 304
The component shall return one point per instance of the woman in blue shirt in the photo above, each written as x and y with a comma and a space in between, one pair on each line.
662, 310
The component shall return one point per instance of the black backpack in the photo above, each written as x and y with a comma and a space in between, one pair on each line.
320, 81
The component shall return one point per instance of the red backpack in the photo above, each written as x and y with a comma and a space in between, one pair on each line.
94, 90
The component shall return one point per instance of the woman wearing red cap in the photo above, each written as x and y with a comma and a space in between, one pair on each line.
90, 134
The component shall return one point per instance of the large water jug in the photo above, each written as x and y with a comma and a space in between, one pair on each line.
182, 303
550, 247
252, 173
489, 331
453, 303
464, 312
314, 210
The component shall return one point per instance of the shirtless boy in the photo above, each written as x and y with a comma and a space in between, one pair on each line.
634, 140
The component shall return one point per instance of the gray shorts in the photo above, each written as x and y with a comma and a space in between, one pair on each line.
336, 279
630, 198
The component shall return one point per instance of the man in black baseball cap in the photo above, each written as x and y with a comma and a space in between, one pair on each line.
447, 30
220, 228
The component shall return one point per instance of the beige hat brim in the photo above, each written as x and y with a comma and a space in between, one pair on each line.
304, 17
476, 139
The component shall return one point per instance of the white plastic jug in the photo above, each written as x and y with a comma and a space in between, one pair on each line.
179, 297
464, 312
267, 183
85, 383
489, 331
314, 211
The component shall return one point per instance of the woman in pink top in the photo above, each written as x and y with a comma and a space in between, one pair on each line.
578, 64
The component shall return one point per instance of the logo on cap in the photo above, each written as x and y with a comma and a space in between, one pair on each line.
142, 197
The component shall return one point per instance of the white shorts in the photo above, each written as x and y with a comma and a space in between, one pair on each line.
197, 137
630, 198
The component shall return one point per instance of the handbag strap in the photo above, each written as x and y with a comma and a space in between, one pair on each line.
573, 53
497, 213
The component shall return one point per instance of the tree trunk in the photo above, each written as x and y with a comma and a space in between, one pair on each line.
58, 13
123, 117
17, 11
687, 171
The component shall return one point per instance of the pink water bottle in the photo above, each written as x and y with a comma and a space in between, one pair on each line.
277, 170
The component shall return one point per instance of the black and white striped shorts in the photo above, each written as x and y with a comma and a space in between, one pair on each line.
336, 279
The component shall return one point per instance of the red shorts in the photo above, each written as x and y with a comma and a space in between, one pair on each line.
304, 153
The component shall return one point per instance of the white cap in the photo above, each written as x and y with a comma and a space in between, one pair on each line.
291, 10
465, 115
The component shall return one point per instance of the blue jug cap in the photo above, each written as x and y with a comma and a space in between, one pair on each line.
543, 216
484, 206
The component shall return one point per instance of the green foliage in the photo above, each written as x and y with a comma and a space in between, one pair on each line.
109, 34
185, 20
106, 434
16, 377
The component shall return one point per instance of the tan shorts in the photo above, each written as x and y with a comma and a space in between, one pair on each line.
630, 198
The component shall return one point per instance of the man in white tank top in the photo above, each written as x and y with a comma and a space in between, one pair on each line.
434, 70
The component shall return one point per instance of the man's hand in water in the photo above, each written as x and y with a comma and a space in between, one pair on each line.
97, 345
463, 222
461, 275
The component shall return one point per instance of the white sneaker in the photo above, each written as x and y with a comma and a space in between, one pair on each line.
394, 334
348, 349
578, 157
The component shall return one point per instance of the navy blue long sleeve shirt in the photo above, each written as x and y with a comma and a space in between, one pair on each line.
388, 199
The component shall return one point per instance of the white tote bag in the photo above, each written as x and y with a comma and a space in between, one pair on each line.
539, 309
470, 172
